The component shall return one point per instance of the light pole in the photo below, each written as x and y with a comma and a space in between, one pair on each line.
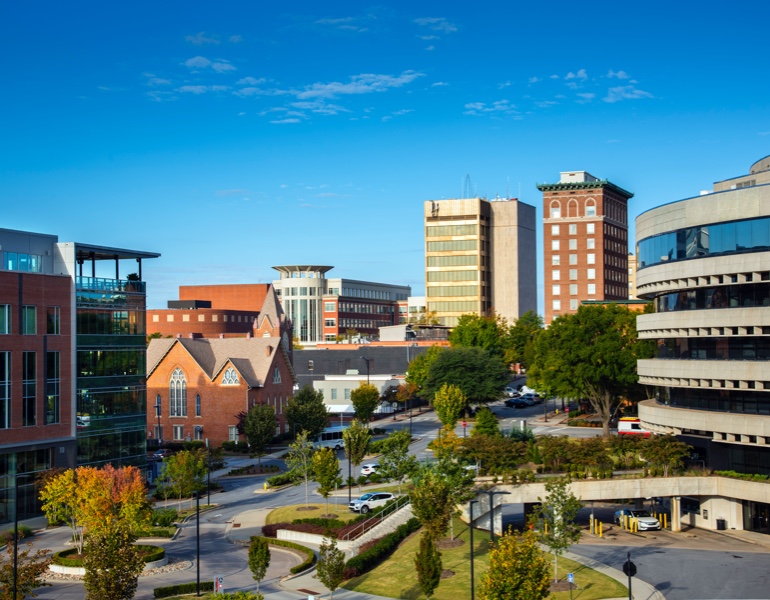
492, 512
197, 543
15, 530
367, 361
470, 516
157, 413
545, 409
208, 473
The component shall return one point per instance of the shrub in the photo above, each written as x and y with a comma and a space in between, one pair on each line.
148, 553
24, 532
231, 446
309, 554
159, 532
384, 547
182, 588
283, 479
165, 517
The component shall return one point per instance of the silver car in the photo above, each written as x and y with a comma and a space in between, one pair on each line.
370, 501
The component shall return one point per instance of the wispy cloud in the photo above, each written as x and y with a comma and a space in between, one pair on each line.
439, 84
586, 97
319, 107
158, 96
201, 62
366, 83
618, 74
625, 92
428, 38
285, 121
439, 24
581, 75
352, 24
503, 85
201, 39
233, 192
250, 81
764, 133
545, 103
397, 113
500, 107
202, 89
534, 80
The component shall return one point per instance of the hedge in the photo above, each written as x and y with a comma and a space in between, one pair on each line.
309, 554
182, 588
153, 553
283, 479
385, 546
745, 476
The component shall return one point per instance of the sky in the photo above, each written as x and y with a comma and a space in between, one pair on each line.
234, 136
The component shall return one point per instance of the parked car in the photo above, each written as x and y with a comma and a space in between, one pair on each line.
369, 469
162, 453
516, 403
645, 519
531, 399
511, 392
368, 502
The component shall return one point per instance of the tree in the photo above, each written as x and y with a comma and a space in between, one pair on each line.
299, 459
517, 569
30, 567
405, 393
555, 519
417, 370
330, 569
480, 375
185, 472
665, 452
448, 403
259, 428
259, 558
590, 354
521, 337
432, 501
326, 472
365, 399
112, 565
423, 317
494, 455
487, 332
486, 423
307, 411
626, 448
396, 461
427, 563
555, 450
356, 439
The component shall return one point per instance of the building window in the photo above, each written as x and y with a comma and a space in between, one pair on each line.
590, 243
178, 432
554, 230
554, 244
555, 259
573, 244
555, 210
329, 307
590, 208
277, 375
177, 393
28, 320
53, 319
232, 433
5, 319
591, 289
573, 304
573, 228
573, 274
347, 393
573, 289
197, 405
591, 274
198, 432
52, 391
556, 290
29, 388
5, 390
591, 228
330, 322
230, 377
591, 258
330, 337
573, 259
555, 274
334, 393
556, 305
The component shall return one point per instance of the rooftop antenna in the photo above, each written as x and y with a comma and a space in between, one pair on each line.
467, 187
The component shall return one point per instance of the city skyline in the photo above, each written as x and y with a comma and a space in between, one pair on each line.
235, 140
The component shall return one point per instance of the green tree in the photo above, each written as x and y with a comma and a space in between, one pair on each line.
427, 563
396, 461
112, 565
487, 332
521, 337
326, 472
554, 450
299, 459
517, 569
330, 569
259, 428
590, 354
185, 473
626, 448
554, 519
307, 411
365, 399
417, 370
665, 452
486, 423
448, 403
30, 568
478, 374
494, 455
259, 558
432, 501
356, 439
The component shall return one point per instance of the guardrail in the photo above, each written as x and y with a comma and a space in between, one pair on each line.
375, 520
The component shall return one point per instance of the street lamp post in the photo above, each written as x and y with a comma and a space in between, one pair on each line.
197, 543
157, 413
367, 361
15, 531
208, 473
470, 516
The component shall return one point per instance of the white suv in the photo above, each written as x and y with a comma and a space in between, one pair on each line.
370, 501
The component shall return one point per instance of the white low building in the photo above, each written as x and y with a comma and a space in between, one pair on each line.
337, 390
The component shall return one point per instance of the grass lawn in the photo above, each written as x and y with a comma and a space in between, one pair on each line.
287, 514
396, 577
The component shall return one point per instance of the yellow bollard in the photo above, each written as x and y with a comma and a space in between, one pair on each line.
265, 485
665, 521
545, 528
636, 525
600, 529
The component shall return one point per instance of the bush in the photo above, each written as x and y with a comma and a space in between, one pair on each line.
24, 531
309, 554
744, 476
159, 532
283, 479
164, 517
373, 556
148, 553
231, 446
182, 588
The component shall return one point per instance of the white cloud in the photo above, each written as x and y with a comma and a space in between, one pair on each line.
500, 107
581, 74
404, 111
555, 77
534, 79
343, 24
201, 62
236, 39
319, 107
586, 97
200, 39
427, 38
202, 89
158, 81
618, 74
505, 84
285, 121
439, 84
232, 192
545, 103
625, 92
250, 81
158, 96
430, 48
439, 24
359, 84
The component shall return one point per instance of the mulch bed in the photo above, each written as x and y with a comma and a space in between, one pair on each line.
562, 586
447, 573
447, 544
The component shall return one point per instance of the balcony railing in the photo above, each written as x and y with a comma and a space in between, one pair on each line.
100, 284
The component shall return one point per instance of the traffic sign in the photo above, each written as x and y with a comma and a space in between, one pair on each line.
464, 423
570, 577
629, 568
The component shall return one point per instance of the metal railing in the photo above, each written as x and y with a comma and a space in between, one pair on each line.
376, 519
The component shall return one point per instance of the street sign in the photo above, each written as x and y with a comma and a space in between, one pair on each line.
570, 577
219, 584
465, 424
629, 568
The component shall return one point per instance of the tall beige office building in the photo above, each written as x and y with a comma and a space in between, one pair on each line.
480, 257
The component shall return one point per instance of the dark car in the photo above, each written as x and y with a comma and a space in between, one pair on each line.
516, 403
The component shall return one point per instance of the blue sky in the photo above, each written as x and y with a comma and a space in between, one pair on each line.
235, 136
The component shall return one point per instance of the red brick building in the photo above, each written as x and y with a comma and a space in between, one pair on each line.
202, 385
585, 242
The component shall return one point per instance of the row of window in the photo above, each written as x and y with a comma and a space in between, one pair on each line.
372, 309
573, 289
452, 245
444, 230
29, 320
589, 209
453, 275
202, 317
20, 261
363, 324
95, 321
573, 274
735, 237
722, 400
303, 291
718, 348
351, 292
462, 260
450, 306
454, 290
572, 229
111, 363
726, 296
573, 304
29, 386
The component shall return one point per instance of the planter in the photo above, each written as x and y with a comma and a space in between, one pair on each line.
82, 571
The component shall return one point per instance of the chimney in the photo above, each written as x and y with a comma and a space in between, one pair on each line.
268, 350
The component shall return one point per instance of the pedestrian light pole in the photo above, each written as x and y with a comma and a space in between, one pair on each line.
197, 543
470, 526
367, 361
208, 473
